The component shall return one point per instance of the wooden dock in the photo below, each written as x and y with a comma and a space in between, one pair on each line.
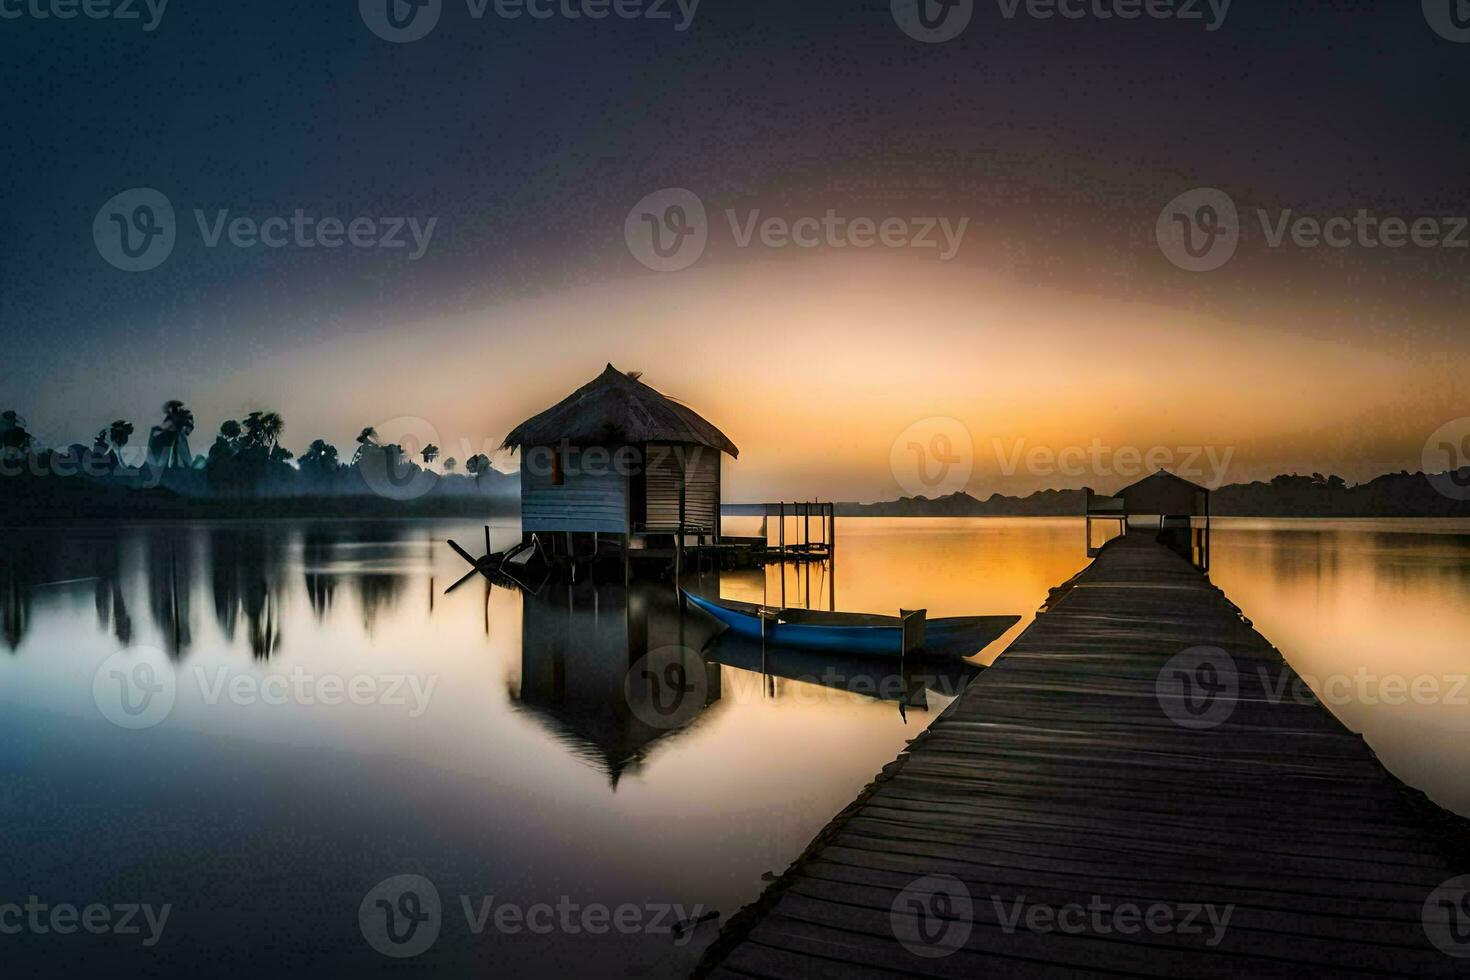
1061, 780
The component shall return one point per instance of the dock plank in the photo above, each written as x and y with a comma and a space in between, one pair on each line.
1068, 777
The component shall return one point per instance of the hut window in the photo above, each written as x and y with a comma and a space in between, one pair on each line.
558, 477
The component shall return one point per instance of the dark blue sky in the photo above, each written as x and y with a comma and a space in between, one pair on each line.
529, 140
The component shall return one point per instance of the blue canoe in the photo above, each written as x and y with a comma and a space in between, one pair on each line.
860, 633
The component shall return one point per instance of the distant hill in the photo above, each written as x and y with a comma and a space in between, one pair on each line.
1401, 494
1043, 503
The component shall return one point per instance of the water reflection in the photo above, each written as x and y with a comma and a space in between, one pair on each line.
557, 724
317, 546
1337, 597
1364, 606
584, 656
248, 570
908, 684
33, 560
15, 601
378, 593
613, 671
108, 598
170, 581
589, 739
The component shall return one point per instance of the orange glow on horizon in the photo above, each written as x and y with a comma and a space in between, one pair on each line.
814, 366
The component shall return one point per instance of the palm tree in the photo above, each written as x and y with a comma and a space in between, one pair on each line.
110, 441
450, 464
118, 434
320, 453
367, 437
177, 416
168, 442
223, 463
477, 464
271, 426
396, 456
14, 439
251, 426
264, 428
319, 462
430, 453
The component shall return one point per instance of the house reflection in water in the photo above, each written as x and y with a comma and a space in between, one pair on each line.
612, 669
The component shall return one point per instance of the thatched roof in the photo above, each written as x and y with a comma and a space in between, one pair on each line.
614, 409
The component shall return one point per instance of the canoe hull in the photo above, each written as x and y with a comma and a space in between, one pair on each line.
873, 641
869, 641
958, 636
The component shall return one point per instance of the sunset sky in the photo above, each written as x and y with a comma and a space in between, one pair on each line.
1058, 322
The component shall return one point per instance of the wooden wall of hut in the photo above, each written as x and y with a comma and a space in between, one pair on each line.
589, 497
701, 487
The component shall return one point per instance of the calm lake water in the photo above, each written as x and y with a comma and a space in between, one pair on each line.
258, 724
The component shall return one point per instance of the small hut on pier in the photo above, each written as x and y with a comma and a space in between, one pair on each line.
1171, 506
617, 459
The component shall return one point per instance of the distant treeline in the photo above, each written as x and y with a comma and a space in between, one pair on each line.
245, 472
1401, 494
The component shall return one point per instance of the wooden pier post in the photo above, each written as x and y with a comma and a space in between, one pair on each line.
832, 557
